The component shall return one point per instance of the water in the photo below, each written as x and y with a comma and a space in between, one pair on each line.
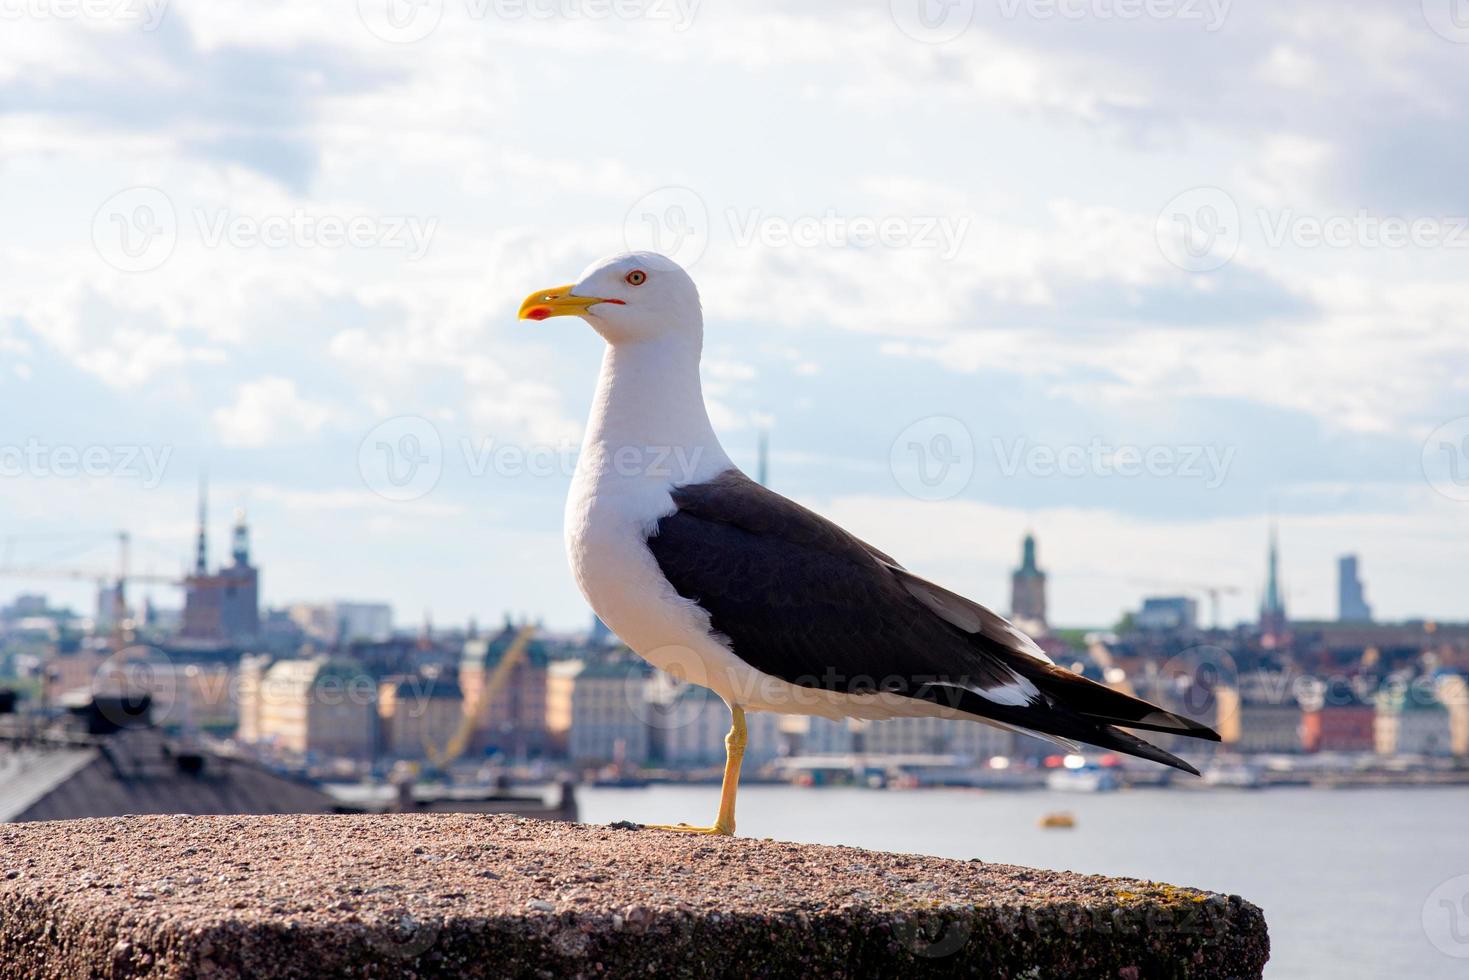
1343, 875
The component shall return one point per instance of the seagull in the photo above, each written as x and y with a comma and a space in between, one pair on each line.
708, 575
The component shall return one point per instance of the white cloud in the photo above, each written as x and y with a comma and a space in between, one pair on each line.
270, 411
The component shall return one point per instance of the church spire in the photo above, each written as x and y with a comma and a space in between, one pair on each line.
201, 550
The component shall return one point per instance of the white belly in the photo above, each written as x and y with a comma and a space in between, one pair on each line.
616, 571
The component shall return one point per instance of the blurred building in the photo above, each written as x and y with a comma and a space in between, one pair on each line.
1259, 715
510, 703
322, 706
689, 729
1411, 721
1167, 613
222, 607
1028, 590
418, 715
609, 712
339, 622
824, 736
935, 736
1339, 727
1453, 693
251, 676
1351, 600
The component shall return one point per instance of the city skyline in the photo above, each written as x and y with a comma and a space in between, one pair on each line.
1027, 606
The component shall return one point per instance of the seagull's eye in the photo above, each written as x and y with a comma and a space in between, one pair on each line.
636, 277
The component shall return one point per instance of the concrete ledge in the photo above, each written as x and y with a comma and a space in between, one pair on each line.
468, 895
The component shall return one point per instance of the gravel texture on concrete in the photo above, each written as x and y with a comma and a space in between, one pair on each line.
451, 895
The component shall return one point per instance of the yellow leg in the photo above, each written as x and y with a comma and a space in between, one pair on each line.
734, 752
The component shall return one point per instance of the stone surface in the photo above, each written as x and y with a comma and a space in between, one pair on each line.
471, 895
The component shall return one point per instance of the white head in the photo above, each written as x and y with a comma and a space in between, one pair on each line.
626, 298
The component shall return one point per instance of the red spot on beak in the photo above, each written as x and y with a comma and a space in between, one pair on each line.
538, 313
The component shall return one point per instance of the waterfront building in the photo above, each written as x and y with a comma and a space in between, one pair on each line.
1410, 720
610, 709
690, 726
418, 715
321, 706
512, 718
1348, 727
936, 736
1260, 715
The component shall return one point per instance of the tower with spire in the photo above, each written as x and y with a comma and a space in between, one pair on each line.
1028, 590
1272, 606
221, 607
201, 545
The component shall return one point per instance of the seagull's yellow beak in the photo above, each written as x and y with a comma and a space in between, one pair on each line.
558, 301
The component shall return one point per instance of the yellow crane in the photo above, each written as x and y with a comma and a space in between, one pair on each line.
511, 659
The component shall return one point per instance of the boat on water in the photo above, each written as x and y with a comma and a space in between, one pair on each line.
1060, 820
1082, 779
1234, 775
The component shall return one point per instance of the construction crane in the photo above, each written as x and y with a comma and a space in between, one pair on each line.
1212, 591
119, 577
497, 680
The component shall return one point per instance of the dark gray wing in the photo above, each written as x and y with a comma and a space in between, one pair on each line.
801, 599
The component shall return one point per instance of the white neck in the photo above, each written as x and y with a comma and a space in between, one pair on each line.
648, 421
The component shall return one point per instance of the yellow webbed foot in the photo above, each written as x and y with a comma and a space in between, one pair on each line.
717, 829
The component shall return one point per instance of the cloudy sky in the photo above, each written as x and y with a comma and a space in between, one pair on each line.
1134, 275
